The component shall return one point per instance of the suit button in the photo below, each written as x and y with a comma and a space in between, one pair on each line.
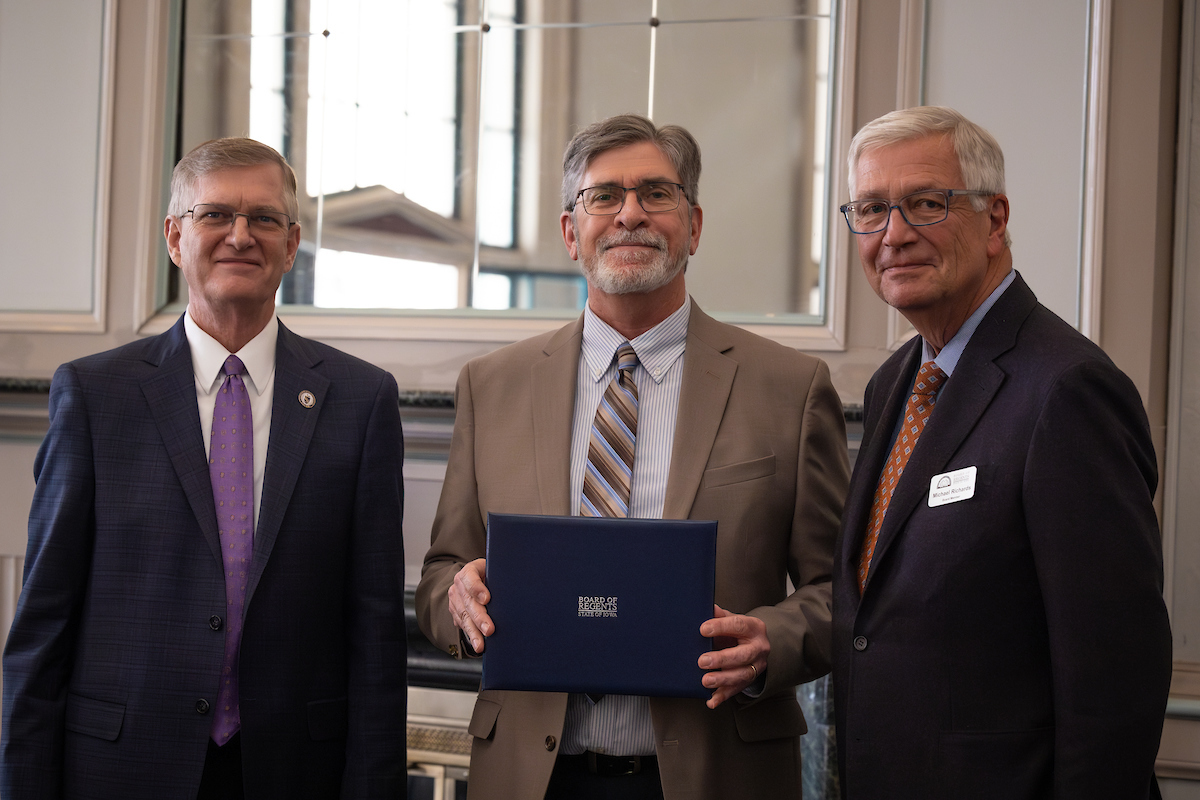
860, 643
551, 742
202, 706
215, 622
454, 650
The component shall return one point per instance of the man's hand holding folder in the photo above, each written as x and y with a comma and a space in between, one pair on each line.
739, 662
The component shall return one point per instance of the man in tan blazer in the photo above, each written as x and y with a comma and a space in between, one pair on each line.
730, 426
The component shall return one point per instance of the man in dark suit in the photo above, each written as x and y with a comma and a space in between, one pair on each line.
219, 626
999, 627
729, 426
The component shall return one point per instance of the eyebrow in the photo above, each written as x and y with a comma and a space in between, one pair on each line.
873, 195
642, 182
231, 208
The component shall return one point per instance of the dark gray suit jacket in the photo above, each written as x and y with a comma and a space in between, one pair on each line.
115, 652
1014, 645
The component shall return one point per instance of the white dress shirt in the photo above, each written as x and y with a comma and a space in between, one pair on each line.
619, 724
258, 357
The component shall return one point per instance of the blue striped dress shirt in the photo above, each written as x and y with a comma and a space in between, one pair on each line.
619, 724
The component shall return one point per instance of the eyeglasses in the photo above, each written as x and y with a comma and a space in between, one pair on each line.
221, 218
604, 201
918, 208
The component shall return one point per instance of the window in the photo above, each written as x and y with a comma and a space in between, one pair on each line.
427, 136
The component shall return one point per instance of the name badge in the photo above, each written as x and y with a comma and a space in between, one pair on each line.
952, 487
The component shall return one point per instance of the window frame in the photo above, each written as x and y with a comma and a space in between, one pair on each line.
467, 325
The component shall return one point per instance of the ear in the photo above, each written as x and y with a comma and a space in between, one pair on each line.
172, 232
570, 238
697, 216
292, 247
998, 221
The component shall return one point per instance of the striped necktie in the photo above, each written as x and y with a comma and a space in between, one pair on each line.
609, 474
916, 413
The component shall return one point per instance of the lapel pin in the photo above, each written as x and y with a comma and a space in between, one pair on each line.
307, 399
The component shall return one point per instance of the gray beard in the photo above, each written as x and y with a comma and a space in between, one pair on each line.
653, 272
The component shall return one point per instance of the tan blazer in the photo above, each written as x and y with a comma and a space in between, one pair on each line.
759, 446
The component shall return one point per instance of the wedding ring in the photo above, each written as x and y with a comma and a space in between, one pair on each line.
754, 676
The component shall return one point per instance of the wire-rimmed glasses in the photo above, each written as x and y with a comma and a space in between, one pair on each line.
221, 218
928, 207
606, 200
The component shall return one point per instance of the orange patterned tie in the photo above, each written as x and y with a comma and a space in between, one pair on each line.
916, 414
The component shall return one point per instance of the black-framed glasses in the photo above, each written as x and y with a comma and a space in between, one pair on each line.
221, 218
604, 201
919, 208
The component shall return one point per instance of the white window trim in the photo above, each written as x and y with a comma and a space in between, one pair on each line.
468, 325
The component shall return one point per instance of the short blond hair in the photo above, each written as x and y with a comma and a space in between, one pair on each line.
219, 154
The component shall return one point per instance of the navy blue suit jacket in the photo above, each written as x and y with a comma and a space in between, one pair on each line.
115, 652
1013, 645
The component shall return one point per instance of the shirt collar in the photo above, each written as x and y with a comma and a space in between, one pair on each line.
947, 359
208, 355
657, 349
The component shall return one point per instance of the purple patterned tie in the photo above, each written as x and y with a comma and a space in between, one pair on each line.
231, 468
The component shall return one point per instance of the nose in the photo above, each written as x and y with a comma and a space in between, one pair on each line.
239, 234
632, 215
898, 231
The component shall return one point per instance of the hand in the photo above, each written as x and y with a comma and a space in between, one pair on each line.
741, 642
468, 595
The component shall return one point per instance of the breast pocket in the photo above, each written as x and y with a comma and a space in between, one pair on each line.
738, 473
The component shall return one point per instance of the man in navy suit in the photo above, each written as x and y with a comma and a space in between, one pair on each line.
999, 627
137, 665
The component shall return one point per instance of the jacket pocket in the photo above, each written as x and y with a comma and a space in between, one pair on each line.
328, 719
739, 472
996, 765
92, 717
775, 717
483, 719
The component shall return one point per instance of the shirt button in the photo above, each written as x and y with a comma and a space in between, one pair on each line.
215, 622
860, 643
551, 742
202, 706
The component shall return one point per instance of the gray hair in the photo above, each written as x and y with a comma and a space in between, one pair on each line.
679, 147
980, 158
219, 154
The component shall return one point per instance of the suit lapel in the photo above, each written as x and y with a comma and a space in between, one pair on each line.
292, 426
960, 404
893, 381
552, 379
707, 380
170, 391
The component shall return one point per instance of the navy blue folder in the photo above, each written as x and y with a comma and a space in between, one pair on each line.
599, 605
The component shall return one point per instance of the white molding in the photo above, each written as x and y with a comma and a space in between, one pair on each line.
470, 326
1091, 267
93, 321
832, 335
910, 92
910, 69
156, 53
1179, 268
